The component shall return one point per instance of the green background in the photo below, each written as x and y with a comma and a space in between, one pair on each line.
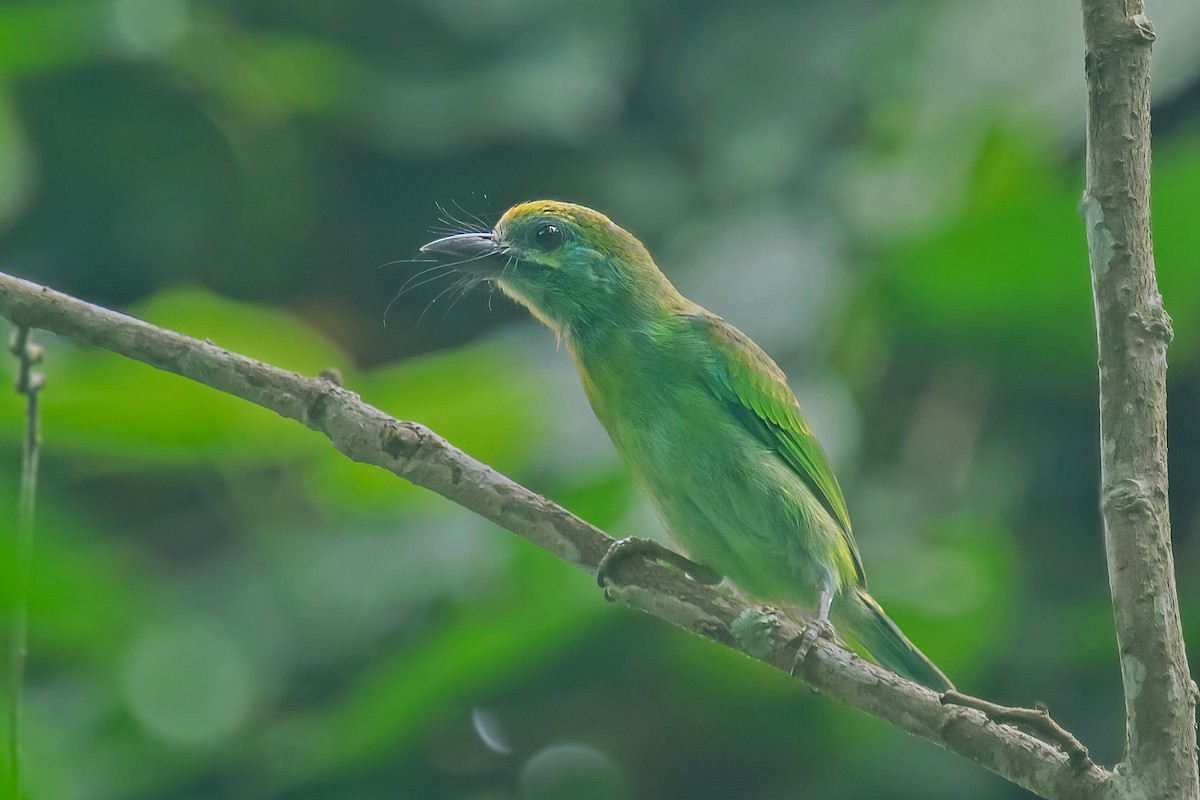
883, 195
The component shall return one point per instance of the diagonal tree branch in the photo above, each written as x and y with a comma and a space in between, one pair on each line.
1133, 331
415, 453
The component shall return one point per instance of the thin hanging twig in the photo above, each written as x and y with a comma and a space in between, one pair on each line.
1036, 721
29, 383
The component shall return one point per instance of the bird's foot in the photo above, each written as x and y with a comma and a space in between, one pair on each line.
816, 629
623, 548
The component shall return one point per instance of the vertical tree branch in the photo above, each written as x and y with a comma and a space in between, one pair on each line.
1133, 332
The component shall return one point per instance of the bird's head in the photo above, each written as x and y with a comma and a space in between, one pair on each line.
571, 266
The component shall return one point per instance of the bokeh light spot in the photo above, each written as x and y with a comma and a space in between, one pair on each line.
149, 27
188, 682
491, 730
574, 772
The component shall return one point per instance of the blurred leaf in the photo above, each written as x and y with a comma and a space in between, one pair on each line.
308, 75
1176, 186
260, 331
16, 161
86, 589
464, 659
43, 35
1008, 278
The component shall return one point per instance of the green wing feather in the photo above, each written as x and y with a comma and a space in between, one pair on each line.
757, 390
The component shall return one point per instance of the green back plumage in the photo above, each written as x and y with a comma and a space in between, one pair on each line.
758, 394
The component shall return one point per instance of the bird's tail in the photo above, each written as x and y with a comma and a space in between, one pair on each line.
858, 617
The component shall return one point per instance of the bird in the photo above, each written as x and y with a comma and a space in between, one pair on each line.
702, 417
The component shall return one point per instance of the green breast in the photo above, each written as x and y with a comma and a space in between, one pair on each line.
725, 498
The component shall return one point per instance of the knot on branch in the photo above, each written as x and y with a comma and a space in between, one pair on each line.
321, 398
1143, 27
399, 442
29, 381
1155, 321
314, 414
1109, 32
1128, 496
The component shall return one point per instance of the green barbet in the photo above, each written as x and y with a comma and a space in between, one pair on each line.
702, 416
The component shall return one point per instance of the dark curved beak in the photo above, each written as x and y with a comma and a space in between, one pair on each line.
469, 248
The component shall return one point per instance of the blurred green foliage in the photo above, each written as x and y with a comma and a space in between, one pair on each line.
883, 195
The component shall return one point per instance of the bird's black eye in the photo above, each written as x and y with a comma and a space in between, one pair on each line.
548, 236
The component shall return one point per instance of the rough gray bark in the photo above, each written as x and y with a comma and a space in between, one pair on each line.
415, 453
1133, 331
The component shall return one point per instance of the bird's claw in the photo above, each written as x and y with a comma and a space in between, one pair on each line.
814, 630
622, 548
629, 546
